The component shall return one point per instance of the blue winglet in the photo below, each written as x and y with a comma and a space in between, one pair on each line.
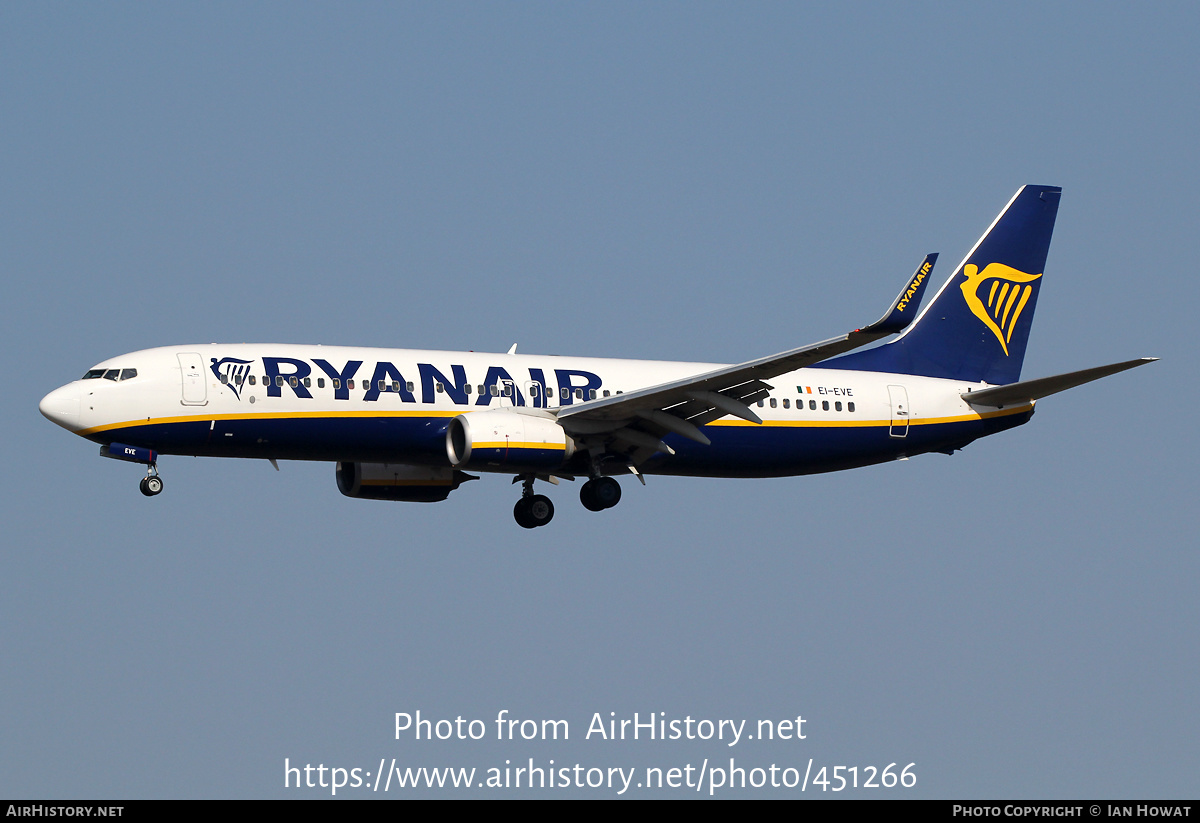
906, 306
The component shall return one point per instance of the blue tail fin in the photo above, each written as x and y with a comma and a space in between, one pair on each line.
977, 326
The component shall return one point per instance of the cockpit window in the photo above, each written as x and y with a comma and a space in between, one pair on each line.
111, 374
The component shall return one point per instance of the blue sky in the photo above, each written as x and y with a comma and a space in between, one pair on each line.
673, 181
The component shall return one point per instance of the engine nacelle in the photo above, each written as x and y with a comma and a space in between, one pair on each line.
398, 481
493, 439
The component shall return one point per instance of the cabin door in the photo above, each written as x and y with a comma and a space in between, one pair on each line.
191, 368
899, 400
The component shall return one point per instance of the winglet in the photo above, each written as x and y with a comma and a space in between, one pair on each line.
904, 308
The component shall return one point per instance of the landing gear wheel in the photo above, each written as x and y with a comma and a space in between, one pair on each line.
521, 513
533, 511
600, 494
608, 492
587, 496
151, 485
541, 510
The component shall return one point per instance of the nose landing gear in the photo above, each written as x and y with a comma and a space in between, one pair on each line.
151, 484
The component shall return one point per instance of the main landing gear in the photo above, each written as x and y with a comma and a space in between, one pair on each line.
600, 493
532, 510
151, 484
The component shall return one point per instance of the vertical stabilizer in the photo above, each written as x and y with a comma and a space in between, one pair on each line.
977, 326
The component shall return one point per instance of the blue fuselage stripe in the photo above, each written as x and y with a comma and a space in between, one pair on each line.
735, 451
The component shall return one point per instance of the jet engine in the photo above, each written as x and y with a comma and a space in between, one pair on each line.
398, 481
491, 439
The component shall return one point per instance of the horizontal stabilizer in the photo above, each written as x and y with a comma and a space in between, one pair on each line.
1029, 390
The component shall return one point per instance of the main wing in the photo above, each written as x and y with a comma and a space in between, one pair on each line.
633, 424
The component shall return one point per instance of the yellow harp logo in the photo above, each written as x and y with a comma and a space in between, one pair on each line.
1006, 297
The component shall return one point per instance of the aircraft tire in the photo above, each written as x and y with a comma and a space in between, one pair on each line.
607, 492
587, 496
521, 513
151, 486
541, 510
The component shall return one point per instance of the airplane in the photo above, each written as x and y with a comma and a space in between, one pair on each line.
408, 425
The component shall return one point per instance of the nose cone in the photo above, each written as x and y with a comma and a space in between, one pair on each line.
61, 406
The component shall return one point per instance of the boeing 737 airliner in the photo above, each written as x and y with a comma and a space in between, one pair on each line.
408, 425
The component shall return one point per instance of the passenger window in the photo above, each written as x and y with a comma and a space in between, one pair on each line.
787, 404
837, 405
494, 391
482, 389
773, 404
440, 388
350, 383
396, 385
251, 380
812, 405
382, 385
279, 380
591, 394
128, 374
607, 393
508, 390
408, 385
320, 382
850, 406
337, 383
762, 403
293, 382
222, 378
466, 388
824, 405
307, 382
564, 393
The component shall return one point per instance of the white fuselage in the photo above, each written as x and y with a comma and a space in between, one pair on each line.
392, 405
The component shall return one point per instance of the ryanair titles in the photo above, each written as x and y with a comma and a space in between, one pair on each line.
531, 387
914, 286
